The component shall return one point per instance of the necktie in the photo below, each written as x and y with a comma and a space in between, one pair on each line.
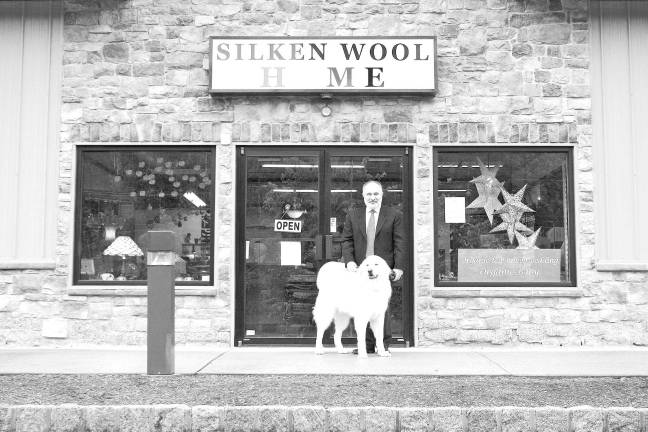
371, 233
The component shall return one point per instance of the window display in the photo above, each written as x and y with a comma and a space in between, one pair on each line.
504, 216
124, 192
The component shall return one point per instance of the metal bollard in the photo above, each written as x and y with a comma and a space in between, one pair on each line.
160, 336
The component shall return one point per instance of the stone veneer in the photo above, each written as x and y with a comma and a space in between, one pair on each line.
208, 418
510, 71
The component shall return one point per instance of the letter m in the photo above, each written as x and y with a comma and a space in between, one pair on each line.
334, 75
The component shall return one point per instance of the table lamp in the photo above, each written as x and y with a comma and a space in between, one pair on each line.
123, 246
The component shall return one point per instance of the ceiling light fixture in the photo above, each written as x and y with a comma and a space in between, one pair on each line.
194, 199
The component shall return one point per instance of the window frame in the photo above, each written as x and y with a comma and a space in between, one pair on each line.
77, 211
571, 204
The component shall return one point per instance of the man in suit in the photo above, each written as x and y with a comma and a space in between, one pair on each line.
373, 230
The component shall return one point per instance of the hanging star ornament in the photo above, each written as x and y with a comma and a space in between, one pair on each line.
514, 202
511, 224
488, 189
527, 242
511, 213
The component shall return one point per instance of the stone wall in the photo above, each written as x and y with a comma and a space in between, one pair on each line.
203, 418
510, 71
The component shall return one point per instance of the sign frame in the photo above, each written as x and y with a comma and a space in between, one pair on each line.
281, 225
360, 91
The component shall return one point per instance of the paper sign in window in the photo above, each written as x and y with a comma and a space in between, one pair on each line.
455, 210
291, 253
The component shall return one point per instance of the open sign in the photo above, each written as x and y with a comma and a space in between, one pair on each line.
292, 226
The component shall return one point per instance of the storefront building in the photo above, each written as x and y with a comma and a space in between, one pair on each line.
507, 132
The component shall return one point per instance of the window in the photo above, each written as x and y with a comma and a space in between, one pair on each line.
123, 192
504, 217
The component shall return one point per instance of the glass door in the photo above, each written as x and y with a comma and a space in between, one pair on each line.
349, 169
291, 207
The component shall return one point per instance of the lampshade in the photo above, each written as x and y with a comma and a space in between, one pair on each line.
123, 246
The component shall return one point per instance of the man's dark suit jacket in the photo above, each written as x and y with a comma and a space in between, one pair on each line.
390, 238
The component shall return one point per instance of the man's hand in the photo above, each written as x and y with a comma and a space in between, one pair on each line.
351, 266
398, 273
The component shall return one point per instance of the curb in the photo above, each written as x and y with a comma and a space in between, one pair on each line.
204, 418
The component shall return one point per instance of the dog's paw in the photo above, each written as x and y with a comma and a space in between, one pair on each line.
319, 351
362, 355
344, 351
384, 354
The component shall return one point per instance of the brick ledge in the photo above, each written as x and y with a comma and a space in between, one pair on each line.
125, 290
506, 292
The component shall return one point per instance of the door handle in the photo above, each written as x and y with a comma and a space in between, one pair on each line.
318, 247
329, 247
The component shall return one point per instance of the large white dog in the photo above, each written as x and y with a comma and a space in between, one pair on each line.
362, 295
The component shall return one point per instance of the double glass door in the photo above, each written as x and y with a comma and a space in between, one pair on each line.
292, 205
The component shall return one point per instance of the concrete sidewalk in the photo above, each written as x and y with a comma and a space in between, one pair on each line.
404, 361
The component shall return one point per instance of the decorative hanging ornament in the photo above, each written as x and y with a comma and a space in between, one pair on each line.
168, 164
488, 188
158, 169
133, 194
511, 224
514, 201
527, 242
117, 179
141, 164
138, 173
161, 194
196, 167
129, 172
181, 163
159, 160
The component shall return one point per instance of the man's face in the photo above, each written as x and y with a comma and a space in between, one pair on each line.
372, 194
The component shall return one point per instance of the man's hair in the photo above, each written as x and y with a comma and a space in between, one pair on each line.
369, 182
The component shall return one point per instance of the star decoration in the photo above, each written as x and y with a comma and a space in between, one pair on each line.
514, 202
511, 224
527, 242
488, 189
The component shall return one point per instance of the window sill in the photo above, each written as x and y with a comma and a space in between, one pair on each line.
507, 292
621, 266
130, 290
27, 265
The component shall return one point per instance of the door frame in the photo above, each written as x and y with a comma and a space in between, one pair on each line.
242, 151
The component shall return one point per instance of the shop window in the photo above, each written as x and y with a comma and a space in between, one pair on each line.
504, 217
123, 192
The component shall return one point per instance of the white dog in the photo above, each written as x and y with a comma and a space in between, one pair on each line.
362, 295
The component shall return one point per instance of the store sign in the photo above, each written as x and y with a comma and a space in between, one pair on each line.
509, 265
290, 226
322, 65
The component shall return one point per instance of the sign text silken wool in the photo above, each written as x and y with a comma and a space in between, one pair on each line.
323, 65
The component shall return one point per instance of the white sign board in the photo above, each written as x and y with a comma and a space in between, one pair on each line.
455, 210
287, 225
509, 265
291, 253
323, 65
